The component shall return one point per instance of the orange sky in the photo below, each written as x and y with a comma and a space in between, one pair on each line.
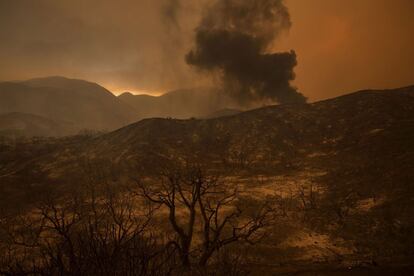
342, 46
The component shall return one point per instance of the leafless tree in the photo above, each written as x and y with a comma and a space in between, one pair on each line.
192, 196
101, 228
98, 234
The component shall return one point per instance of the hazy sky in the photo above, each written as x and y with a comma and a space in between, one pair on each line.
341, 46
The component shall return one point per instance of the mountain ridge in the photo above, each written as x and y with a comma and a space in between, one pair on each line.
181, 103
87, 105
16, 124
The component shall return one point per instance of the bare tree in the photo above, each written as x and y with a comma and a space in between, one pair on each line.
103, 229
102, 233
191, 196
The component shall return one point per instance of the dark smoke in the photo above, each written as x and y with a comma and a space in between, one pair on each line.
233, 40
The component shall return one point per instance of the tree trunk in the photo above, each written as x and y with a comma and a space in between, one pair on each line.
205, 257
185, 252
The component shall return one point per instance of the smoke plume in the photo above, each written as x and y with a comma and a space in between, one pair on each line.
233, 41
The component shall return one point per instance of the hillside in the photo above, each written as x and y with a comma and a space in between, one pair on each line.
22, 124
287, 131
86, 105
180, 104
342, 169
222, 113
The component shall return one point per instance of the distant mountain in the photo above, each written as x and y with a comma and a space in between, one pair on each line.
180, 104
89, 106
21, 124
84, 104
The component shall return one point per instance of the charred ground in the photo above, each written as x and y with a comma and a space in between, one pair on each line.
343, 169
